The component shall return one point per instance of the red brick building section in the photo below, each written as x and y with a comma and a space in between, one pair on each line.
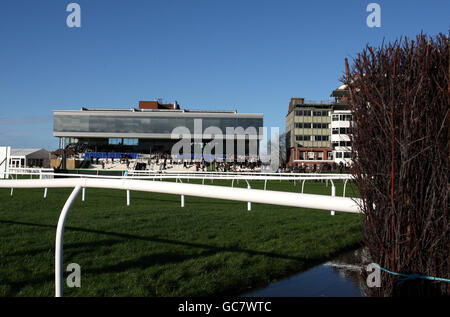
157, 105
301, 156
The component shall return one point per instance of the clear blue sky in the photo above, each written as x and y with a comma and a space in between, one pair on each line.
249, 55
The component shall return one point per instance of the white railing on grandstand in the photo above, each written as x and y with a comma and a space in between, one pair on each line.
80, 182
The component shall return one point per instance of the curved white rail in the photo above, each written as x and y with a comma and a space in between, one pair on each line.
59, 241
208, 191
248, 195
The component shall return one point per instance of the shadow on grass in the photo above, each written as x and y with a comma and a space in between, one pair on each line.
216, 249
84, 246
146, 261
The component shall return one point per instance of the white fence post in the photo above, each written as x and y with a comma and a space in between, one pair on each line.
128, 197
45, 192
83, 194
60, 241
249, 204
182, 200
333, 193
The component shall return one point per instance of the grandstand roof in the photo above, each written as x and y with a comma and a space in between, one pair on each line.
24, 152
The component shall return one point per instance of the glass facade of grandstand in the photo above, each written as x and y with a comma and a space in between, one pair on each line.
145, 131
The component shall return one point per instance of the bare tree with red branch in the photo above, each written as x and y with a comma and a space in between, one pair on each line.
399, 96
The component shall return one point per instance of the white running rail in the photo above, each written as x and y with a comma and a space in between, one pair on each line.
248, 195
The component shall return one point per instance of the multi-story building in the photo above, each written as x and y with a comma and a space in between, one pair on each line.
341, 122
319, 132
149, 128
308, 127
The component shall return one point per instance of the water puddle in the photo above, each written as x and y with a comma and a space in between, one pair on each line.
337, 278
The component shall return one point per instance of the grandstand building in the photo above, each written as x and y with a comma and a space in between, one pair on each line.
308, 132
341, 123
318, 132
149, 128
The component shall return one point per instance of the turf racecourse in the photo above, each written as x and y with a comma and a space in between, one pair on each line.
156, 248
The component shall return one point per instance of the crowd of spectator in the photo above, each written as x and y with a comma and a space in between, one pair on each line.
161, 161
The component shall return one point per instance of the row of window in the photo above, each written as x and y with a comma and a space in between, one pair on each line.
342, 143
312, 137
343, 154
16, 163
123, 141
309, 113
314, 155
308, 125
319, 155
340, 131
321, 125
341, 117
149, 123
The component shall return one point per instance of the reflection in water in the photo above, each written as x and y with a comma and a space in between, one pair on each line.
340, 277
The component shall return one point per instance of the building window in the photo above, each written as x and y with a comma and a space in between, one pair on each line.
347, 154
345, 143
335, 131
307, 113
335, 117
344, 130
329, 155
338, 154
320, 155
325, 113
345, 117
115, 141
320, 125
303, 138
131, 142
305, 125
322, 138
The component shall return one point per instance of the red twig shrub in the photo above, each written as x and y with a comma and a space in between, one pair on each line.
399, 99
